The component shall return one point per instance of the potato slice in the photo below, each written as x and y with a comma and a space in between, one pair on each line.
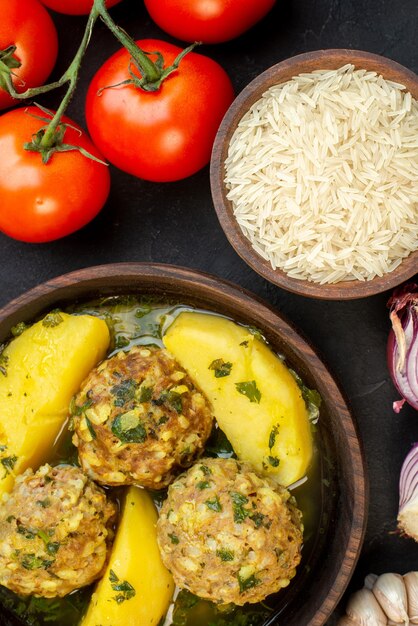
40, 372
136, 587
255, 399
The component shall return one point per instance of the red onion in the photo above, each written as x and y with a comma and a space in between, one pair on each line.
402, 350
408, 494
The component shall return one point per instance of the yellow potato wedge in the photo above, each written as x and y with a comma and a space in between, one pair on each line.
255, 399
136, 587
40, 371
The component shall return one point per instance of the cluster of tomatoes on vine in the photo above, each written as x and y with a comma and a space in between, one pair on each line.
152, 109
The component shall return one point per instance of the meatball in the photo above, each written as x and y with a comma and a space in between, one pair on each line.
139, 419
55, 530
228, 535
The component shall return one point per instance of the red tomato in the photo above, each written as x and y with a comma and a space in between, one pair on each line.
75, 7
41, 202
208, 21
164, 135
28, 26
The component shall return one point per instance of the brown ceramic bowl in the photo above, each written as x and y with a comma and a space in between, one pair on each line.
335, 545
280, 73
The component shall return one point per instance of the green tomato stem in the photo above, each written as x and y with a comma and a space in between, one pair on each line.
70, 76
148, 68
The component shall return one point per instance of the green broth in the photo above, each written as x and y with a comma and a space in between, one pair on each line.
133, 321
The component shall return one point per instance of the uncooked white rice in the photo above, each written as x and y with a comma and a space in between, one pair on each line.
322, 173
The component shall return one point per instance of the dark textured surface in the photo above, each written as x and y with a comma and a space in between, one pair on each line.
176, 223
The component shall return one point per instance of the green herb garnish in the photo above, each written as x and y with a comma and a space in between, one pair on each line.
311, 397
172, 398
145, 394
31, 561
18, 329
128, 428
174, 538
44, 503
273, 460
8, 463
205, 470
90, 427
124, 392
273, 434
126, 590
52, 319
247, 583
121, 342
4, 360
203, 484
214, 504
238, 501
220, 368
250, 390
225, 555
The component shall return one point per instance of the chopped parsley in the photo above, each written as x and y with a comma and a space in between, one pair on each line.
31, 561
124, 392
28, 534
78, 410
238, 501
124, 587
174, 538
273, 460
203, 484
257, 333
214, 504
273, 434
172, 398
44, 503
205, 470
163, 420
247, 583
311, 397
244, 343
145, 394
18, 329
8, 463
90, 427
220, 368
128, 428
4, 360
250, 390
52, 319
121, 342
225, 555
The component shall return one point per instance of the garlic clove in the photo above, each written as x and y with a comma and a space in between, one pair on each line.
370, 580
390, 591
411, 583
364, 609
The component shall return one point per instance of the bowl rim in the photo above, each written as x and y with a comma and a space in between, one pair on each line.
135, 276
319, 59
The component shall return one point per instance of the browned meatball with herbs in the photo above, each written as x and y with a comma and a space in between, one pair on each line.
228, 535
55, 530
139, 419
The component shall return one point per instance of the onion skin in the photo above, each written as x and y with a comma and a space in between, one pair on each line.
408, 494
402, 347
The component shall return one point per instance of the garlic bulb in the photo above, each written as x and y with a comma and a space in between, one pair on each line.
390, 592
364, 609
411, 584
386, 600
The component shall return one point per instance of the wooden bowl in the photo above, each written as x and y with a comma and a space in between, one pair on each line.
319, 584
280, 73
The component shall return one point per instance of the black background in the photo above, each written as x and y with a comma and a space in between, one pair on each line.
176, 223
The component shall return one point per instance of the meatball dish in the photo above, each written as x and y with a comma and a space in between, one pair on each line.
228, 535
56, 527
139, 419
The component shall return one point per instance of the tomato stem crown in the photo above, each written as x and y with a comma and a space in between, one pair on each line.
8, 62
